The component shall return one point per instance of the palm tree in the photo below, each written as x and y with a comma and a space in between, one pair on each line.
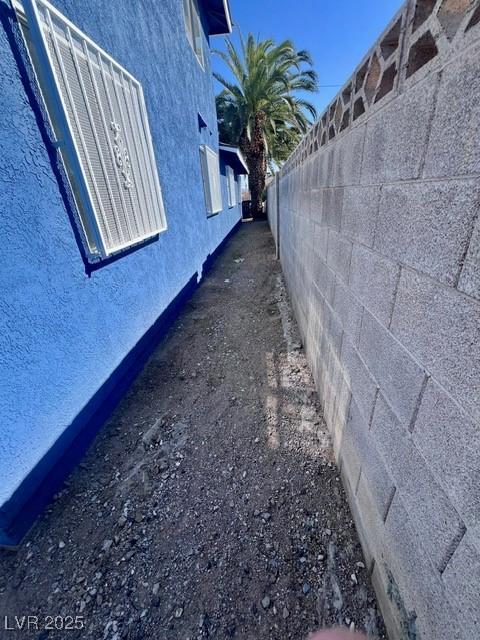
260, 112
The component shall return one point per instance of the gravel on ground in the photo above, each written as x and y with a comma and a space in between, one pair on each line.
209, 505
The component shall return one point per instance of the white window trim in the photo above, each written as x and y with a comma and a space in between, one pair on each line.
68, 146
191, 21
211, 179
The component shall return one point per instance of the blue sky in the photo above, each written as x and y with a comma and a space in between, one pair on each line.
337, 33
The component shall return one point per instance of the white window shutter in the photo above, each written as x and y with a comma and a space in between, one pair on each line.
187, 13
211, 179
229, 186
232, 194
232, 187
193, 26
106, 123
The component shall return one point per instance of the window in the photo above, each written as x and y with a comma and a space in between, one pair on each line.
194, 28
211, 179
98, 114
231, 186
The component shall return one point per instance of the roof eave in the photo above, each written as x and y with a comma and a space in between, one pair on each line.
241, 165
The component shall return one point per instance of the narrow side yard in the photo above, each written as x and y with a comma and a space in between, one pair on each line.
209, 506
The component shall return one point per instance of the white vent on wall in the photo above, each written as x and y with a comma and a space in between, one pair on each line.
211, 179
232, 191
98, 112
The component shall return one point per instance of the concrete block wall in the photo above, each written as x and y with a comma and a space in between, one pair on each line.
379, 238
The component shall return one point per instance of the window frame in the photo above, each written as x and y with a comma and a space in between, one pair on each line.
88, 220
213, 201
194, 29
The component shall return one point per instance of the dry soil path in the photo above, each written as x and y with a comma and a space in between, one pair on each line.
209, 505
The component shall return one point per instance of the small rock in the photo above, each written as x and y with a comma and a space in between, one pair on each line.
163, 465
153, 434
178, 613
360, 565
106, 545
138, 517
266, 516
285, 613
353, 578
328, 532
61, 544
204, 621
122, 521
156, 588
306, 588
266, 602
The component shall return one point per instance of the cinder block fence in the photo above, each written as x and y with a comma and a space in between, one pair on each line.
377, 219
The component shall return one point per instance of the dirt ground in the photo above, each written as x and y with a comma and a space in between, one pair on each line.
209, 505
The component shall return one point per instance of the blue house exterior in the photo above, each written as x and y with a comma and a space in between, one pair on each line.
74, 334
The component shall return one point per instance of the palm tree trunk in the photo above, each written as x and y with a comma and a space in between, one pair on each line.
257, 185
255, 155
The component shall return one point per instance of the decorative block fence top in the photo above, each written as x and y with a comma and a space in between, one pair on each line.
419, 38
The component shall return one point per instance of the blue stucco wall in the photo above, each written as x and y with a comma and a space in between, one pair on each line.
62, 332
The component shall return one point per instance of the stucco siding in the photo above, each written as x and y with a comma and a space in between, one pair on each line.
63, 332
